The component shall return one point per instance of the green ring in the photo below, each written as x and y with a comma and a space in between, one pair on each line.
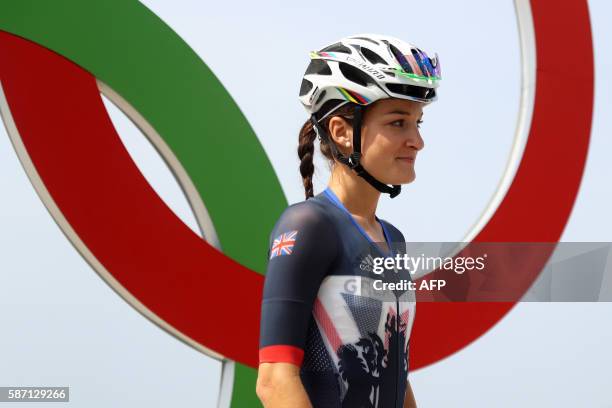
132, 50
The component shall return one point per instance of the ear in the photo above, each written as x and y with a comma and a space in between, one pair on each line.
340, 131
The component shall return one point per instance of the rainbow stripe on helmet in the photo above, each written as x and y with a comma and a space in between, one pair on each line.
353, 96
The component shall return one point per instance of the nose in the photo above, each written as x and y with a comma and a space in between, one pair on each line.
415, 140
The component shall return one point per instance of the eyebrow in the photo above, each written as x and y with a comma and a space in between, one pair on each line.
401, 112
397, 111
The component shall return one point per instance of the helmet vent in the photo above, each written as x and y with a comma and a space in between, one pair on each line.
306, 87
318, 67
355, 75
321, 96
337, 47
412, 90
373, 57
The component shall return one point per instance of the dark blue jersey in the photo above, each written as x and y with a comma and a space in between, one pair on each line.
319, 310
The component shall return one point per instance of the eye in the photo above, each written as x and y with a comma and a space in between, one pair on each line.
397, 123
419, 122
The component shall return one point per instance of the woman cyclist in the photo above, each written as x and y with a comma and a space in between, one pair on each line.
326, 340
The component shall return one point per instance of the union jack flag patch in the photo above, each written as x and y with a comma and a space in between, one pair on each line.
283, 244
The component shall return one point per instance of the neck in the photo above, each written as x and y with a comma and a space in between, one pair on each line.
357, 195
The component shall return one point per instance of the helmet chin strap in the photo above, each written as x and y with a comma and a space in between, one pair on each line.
353, 161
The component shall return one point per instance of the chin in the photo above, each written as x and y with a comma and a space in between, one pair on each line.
405, 178
408, 180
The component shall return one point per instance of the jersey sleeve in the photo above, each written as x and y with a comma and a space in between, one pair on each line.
303, 246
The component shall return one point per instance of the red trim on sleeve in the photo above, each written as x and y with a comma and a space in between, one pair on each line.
281, 354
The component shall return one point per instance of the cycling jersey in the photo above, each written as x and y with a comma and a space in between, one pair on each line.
319, 310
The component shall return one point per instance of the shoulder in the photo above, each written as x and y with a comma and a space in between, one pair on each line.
307, 211
308, 216
305, 231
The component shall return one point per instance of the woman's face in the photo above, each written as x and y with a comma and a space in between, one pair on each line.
390, 140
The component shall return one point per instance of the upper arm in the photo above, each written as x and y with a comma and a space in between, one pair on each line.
305, 247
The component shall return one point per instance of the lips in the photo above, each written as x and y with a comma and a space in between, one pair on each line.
406, 159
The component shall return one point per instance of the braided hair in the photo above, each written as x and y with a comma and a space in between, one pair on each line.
306, 141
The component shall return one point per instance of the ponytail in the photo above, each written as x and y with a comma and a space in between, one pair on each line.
307, 138
305, 152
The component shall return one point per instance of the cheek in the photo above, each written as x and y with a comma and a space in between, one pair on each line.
381, 149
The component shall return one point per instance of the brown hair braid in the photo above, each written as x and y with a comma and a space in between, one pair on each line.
305, 148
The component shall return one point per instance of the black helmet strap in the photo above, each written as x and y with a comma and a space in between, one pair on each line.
354, 160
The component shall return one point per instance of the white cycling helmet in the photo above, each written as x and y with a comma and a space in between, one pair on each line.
365, 68
361, 70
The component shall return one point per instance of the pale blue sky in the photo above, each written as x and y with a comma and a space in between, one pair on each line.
63, 326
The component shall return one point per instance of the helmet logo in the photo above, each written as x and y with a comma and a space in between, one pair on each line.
366, 67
